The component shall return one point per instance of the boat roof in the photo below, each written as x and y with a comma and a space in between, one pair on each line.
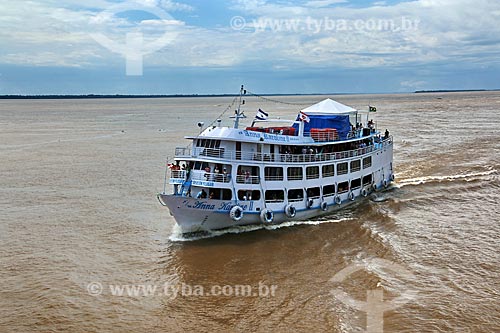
329, 107
242, 135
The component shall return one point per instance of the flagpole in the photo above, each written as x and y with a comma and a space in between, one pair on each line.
238, 112
368, 115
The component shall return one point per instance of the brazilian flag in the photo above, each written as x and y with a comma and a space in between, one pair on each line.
372, 109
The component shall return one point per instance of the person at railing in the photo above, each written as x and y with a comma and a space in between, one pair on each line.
224, 175
217, 174
175, 167
188, 170
248, 180
386, 134
207, 173
201, 195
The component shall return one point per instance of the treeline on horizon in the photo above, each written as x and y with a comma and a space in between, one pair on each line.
455, 90
137, 96
89, 96
105, 96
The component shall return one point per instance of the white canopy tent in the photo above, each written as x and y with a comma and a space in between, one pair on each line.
329, 107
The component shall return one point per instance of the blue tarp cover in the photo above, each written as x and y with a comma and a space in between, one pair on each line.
340, 123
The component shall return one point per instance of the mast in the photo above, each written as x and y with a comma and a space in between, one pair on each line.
238, 113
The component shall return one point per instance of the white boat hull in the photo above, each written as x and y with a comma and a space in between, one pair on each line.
203, 215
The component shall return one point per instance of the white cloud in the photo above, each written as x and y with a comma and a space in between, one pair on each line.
446, 30
323, 3
413, 84
54, 34
175, 6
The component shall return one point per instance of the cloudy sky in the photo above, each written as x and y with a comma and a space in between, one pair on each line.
278, 46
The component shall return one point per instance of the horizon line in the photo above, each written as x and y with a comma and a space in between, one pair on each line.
97, 96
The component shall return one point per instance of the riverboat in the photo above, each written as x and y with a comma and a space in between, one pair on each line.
327, 157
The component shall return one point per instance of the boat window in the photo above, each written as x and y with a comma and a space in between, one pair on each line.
295, 195
328, 190
207, 143
220, 194
312, 172
273, 173
248, 195
294, 173
355, 165
367, 180
367, 162
343, 187
199, 165
328, 170
342, 168
356, 183
248, 174
313, 193
275, 196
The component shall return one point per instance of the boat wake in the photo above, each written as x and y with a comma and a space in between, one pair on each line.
440, 179
178, 236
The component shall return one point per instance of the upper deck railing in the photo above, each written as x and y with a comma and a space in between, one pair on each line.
233, 156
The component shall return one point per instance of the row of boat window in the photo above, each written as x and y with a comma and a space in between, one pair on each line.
246, 174
298, 194
208, 143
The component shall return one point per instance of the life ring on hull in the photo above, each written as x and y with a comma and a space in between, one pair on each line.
236, 213
386, 183
351, 196
393, 177
324, 206
309, 203
290, 211
364, 192
266, 216
338, 201
374, 186
160, 199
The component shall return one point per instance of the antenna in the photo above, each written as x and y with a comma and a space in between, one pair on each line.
238, 113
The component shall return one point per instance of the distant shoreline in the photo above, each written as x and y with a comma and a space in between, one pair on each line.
453, 91
98, 96
94, 96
